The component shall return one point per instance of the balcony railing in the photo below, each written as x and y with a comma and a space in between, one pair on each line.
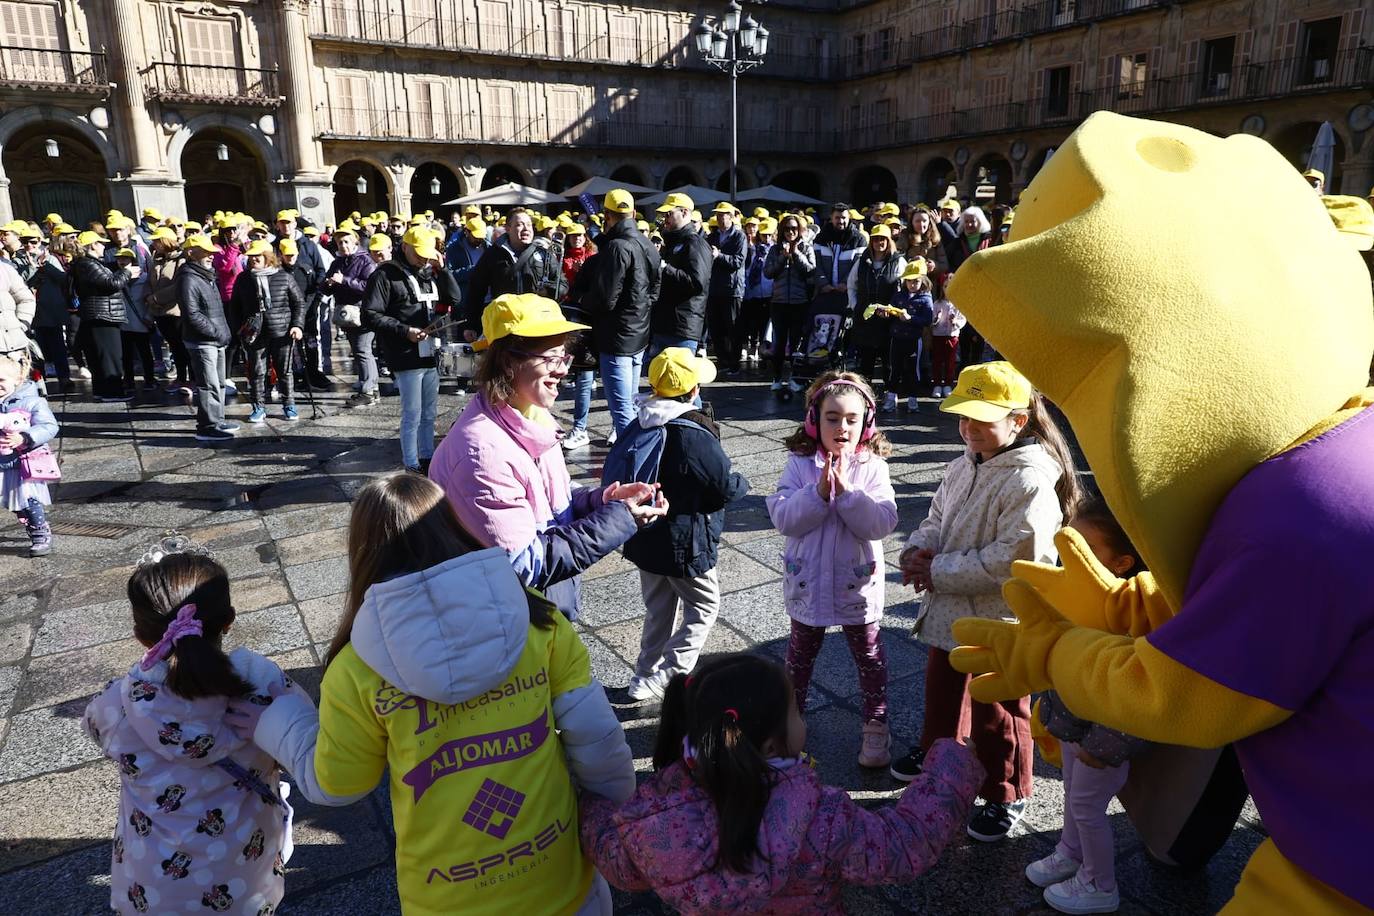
200, 83
48, 69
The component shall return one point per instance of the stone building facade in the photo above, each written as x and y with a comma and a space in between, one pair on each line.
334, 105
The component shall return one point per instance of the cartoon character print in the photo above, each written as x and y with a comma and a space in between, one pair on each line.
217, 898
17, 421
142, 823
170, 799
278, 866
253, 849
128, 764
170, 733
248, 784
198, 747
212, 824
138, 898
178, 866
266, 909
119, 850
142, 690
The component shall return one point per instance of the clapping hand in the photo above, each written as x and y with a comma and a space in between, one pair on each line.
832, 482
915, 565
644, 500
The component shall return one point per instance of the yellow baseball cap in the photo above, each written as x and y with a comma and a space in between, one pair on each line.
379, 242
114, 214
422, 240
696, 216
53, 218
30, 231
988, 392
768, 226
476, 225
261, 246
949, 203
119, 222
711, 223
152, 213
676, 201
753, 221
1315, 173
915, 269
126, 253
14, 225
287, 214
762, 212
419, 220
163, 234
260, 226
618, 200
1354, 219
576, 229
311, 231
880, 231
193, 226
199, 241
525, 315
347, 227
64, 229
288, 246
677, 370
472, 210
90, 237
724, 207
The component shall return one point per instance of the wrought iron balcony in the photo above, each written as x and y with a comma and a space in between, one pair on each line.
210, 85
45, 69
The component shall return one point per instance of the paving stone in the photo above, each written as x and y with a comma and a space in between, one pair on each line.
313, 546
321, 616
259, 592
15, 639
83, 801
77, 882
758, 612
615, 598
302, 521
10, 677
80, 673
74, 628
322, 577
15, 606
277, 629
377, 886
44, 740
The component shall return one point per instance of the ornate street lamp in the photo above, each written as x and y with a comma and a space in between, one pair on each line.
435, 187
732, 47
361, 185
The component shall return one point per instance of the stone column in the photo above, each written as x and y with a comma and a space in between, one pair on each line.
149, 182
314, 194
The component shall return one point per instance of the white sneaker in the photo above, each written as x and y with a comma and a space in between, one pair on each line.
610, 439
912, 403
796, 387
647, 688
1052, 869
576, 439
1076, 896
82, 372
889, 402
776, 386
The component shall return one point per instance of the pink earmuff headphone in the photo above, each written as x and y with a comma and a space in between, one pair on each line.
811, 425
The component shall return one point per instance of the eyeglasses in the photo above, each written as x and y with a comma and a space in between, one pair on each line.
550, 361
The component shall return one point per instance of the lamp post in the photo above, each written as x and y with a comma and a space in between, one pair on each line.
733, 47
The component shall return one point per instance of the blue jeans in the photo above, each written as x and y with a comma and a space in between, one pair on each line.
582, 398
660, 342
620, 378
419, 390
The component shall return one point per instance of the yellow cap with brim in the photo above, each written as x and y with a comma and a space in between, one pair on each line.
915, 269
379, 242
419, 220
423, 241
53, 218
724, 207
90, 237
696, 216
287, 214
768, 226
949, 203
30, 231
880, 232
347, 227
1353, 218
576, 229
152, 213
677, 370
762, 212
472, 210
257, 248
288, 247
199, 242
476, 225
675, 202
988, 392
618, 200
524, 315
119, 222
163, 234
311, 231
64, 229
14, 225
1315, 173
856, 215
126, 253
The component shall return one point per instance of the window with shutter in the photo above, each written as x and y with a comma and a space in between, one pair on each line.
33, 28
212, 65
498, 112
564, 115
624, 38
1317, 50
428, 111
1218, 64
1132, 71
1352, 27
493, 19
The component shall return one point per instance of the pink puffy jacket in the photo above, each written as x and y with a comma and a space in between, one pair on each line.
813, 839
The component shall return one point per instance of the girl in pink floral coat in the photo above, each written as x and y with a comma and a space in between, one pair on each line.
735, 821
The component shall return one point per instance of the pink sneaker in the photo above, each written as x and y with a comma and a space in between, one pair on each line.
877, 742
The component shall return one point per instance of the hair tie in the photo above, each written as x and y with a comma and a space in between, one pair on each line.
184, 624
689, 753
732, 713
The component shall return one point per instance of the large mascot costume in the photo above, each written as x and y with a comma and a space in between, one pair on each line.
1188, 304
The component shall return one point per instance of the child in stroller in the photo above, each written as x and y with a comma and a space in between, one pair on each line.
822, 347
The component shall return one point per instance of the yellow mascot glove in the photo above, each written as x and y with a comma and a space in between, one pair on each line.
1010, 660
1049, 745
1091, 595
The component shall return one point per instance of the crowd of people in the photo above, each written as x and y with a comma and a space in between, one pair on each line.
455, 664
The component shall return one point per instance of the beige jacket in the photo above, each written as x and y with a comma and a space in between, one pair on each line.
984, 516
17, 305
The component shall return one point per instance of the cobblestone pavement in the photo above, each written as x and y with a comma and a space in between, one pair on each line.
273, 507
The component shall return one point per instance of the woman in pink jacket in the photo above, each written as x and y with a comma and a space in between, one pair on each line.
502, 468
734, 820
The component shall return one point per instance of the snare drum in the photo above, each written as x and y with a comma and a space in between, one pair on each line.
456, 360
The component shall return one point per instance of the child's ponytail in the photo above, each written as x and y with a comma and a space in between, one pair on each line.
718, 720
1040, 423
158, 592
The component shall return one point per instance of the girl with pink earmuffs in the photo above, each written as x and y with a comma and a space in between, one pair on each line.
835, 504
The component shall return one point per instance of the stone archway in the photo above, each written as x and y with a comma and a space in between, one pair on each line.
564, 177
872, 183
500, 173
629, 174
936, 178
431, 184
53, 169
19, 125
223, 172
353, 196
678, 176
799, 181
990, 181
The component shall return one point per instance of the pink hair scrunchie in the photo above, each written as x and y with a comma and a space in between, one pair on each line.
184, 624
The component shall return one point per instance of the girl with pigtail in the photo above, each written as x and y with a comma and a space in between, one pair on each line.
203, 822
734, 819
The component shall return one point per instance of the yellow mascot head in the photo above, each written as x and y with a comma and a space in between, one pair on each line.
1187, 302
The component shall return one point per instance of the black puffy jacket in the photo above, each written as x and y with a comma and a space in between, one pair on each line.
622, 290
681, 307
391, 307
99, 288
283, 306
537, 269
202, 309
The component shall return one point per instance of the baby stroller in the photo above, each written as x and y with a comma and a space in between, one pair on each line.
822, 346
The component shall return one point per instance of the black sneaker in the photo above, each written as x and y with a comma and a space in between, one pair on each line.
228, 426
213, 435
909, 767
994, 821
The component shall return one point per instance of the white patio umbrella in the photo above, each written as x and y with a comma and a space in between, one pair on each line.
509, 194
597, 186
1323, 155
773, 194
702, 197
